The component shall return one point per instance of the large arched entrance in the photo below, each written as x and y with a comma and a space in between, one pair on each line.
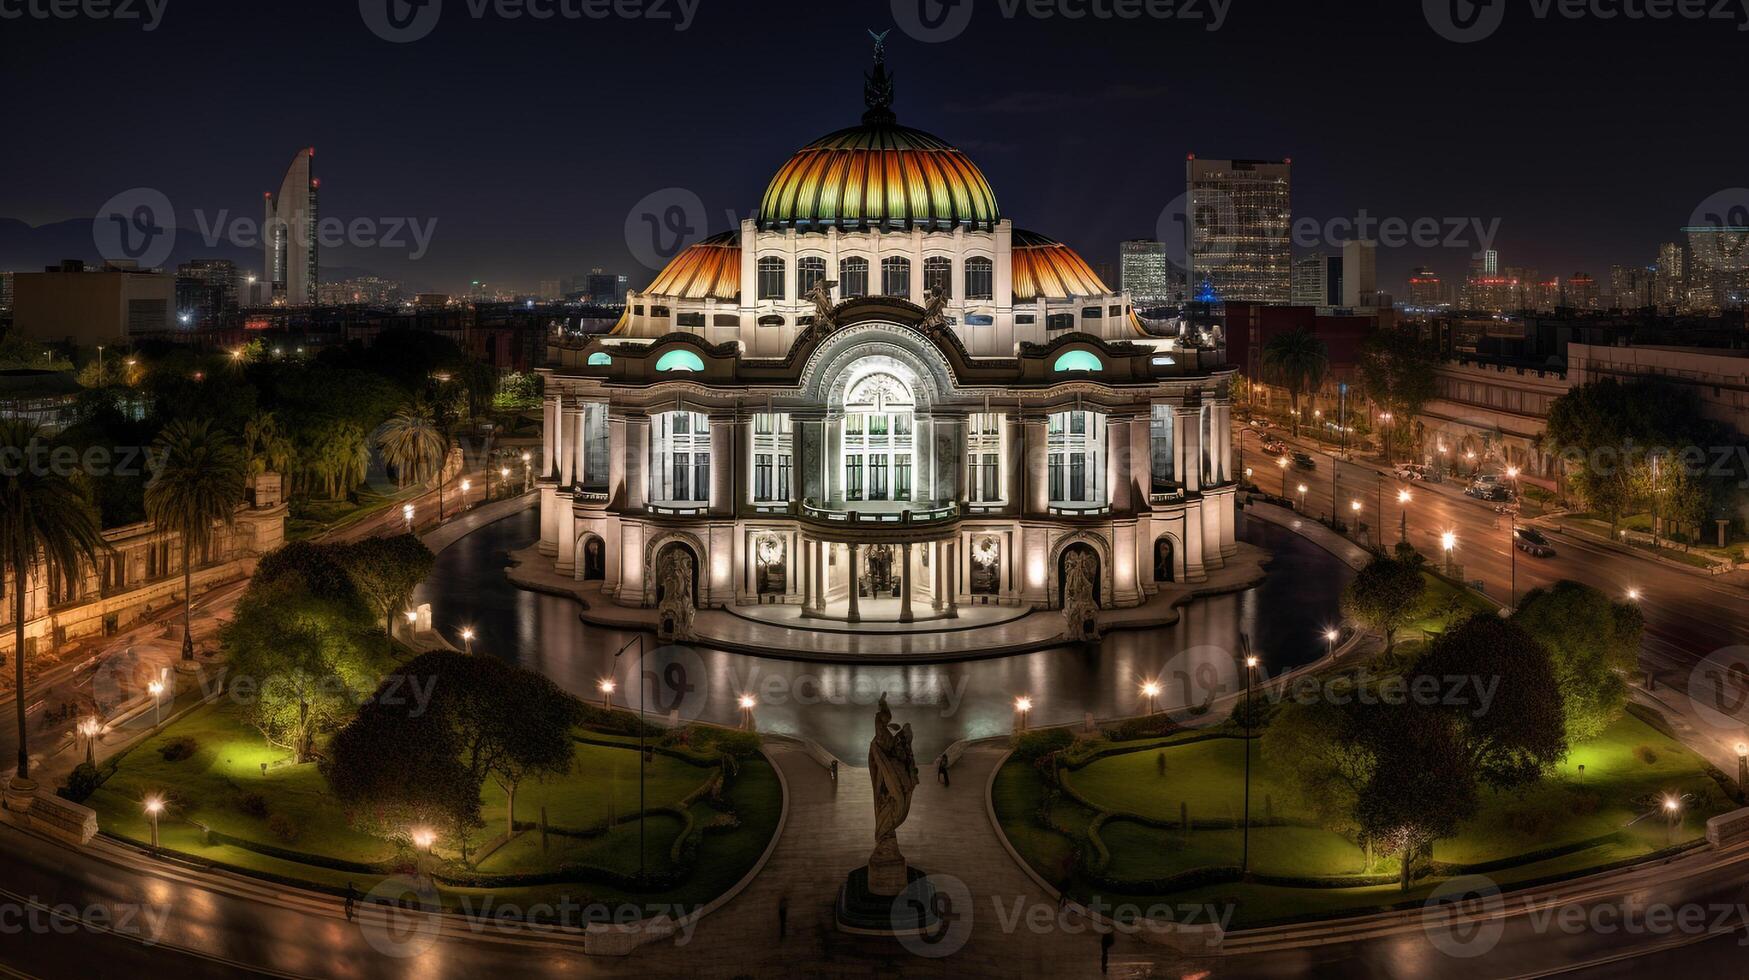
686, 549
1063, 568
1165, 560
592, 558
878, 435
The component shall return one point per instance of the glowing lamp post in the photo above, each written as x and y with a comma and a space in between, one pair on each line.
407, 515
466, 486
154, 806
1023, 705
89, 728
606, 687
1672, 817
747, 703
1150, 690
424, 838
1448, 544
467, 640
527, 471
1302, 489
156, 689
1403, 523
1330, 638
412, 621
1633, 595
1245, 848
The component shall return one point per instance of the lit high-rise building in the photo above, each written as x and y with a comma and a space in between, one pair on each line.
1313, 277
1240, 215
1630, 287
1581, 291
289, 233
219, 274
1425, 289
1668, 278
1145, 272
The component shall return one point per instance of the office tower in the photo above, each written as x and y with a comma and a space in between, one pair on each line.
289, 233
1311, 277
219, 274
605, 288
1360, 284
1581, 291
1425, 289
1240, 212
1145, 272
1490, 263
1667, 282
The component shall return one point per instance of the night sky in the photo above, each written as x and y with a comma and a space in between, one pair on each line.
529, 141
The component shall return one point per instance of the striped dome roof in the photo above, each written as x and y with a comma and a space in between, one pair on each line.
1048, 268
708, 269
878, 175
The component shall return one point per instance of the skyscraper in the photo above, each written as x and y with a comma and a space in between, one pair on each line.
289, 233
1360, 284
1425, 289
1667, 281
1239, 217
1145, 273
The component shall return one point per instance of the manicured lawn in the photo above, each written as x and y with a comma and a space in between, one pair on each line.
1628, 772
595, 807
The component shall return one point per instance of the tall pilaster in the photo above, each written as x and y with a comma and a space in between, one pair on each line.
1118, 465
905, 586
855, 615
723, 464
1038, 484
1187, 446
637, 461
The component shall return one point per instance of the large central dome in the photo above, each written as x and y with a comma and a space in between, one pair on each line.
878, 175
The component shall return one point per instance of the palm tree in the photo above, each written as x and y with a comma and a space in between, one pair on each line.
199, 483
1296, 360
266, 447
46, 521
413, 444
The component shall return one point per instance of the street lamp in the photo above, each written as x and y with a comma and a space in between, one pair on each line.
526, 472
154, 806
1633, 595
1330, 637
1448, 543
1302, 498
412, 619
747, 702
1150, 690
1281, 462
606, 687
407, 515
466, 486
1023, 704
89, 727
467, 640
1673, 818
1403, 524
1245, 851
423, 838
157, 691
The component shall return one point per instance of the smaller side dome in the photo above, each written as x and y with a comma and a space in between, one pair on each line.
1045, 267
709, 269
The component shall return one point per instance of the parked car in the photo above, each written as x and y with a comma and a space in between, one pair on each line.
1274, 447
1531, 541
1304, 462
1488, 487
1411, 472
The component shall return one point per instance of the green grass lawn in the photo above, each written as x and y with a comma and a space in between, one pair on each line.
596, 804
1628, 770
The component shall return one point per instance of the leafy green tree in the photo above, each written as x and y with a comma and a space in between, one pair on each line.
1422, 785
1593, 645
46, 525
305, 681
1384, 596
198, 487
266, 445
1296, 360
1317, 748
398, 767
1397, 367
387, 570
1510, 714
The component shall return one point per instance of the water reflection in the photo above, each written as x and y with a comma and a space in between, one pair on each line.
1284, 618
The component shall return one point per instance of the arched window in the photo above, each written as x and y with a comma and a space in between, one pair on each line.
810, 269
1078, 360
938, 275
896, 277
599, 359
980, 278
852, 277
679, 360
771, 277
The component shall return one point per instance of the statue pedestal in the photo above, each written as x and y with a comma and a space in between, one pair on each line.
888, 874
909, 911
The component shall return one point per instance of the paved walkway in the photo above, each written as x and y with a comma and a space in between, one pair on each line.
830, 831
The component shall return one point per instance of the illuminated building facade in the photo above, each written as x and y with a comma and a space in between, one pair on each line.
878, 400
288, 233
1240, 217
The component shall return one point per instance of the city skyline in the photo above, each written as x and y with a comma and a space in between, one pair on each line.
433, 150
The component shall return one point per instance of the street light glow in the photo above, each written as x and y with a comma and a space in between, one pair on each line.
1023, 703
156, 687
1448, 540
412, 617
747, 702
423, 838
1633, 595
1402, 496
1150, 690
1302, 488
1330, 635
1672, 804
1251, 662
606, 686
154, 805
1742, 749
1355, 505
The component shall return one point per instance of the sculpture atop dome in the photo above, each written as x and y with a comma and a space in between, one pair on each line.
877, 89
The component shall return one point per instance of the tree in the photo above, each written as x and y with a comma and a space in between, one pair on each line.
1296, 360
1383, 596
199, 485
1315, 745
1511, 718
1398, 368
46, 524
1592, 643
264, 443
1422, 785
402, 768
412, 444
387, 570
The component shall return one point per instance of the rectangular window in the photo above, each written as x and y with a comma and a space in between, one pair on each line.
1077, 423
1056, 476
680, 472
902, 478
853, 478
701, 476
783, 476
1077, 476
853, 424
877, 425
991, 474
762, 476
877, 478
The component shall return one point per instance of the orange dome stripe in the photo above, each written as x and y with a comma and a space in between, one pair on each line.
873, 175
711, 269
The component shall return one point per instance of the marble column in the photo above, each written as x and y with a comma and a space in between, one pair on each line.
1038, 478
936, 598
805, 569
1118, 465
855, 609
637, 461
820, 576
566, 446
1187, 447
905, 586
722, 494
953, 579
1013, 461
1224, 458
580, 446
549, 433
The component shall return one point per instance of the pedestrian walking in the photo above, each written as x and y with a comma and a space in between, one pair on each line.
1106, 940
941, 769
834, 770
351, 900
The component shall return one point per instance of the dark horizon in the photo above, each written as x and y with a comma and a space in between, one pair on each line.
529, 142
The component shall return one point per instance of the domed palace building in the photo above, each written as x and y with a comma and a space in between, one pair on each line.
881, 402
